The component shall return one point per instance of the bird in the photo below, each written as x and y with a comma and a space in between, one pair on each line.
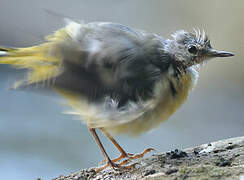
117, 79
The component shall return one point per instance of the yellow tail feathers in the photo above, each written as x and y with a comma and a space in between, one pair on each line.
43, 61
41, 65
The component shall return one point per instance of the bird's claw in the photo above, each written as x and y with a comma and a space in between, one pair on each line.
129, 157
117, 166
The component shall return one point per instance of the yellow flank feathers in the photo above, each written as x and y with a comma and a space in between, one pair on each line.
44, 61
163, 105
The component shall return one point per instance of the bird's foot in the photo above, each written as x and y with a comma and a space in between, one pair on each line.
115, 166
129, 156
137, 156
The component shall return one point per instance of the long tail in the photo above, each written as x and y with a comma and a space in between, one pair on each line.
42, 61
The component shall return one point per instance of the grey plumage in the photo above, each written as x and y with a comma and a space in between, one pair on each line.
119, 74
116, 78
119, 62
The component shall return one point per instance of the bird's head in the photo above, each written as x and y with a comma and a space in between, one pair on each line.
192, 48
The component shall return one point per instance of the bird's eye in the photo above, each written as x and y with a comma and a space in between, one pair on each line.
192, 49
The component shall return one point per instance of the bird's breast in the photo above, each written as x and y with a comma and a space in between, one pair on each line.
169, 94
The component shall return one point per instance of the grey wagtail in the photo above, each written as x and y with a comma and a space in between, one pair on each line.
116, 78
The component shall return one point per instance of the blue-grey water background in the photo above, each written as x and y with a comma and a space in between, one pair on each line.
37, 140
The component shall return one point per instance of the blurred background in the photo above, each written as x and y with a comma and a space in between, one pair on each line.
37, 140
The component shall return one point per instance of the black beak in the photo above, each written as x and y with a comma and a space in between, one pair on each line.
216, 53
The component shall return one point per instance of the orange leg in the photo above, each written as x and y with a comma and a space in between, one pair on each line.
122, 151
108, 161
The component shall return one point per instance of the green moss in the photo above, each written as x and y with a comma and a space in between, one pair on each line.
184, 170
219, 172
203, 172
200, 169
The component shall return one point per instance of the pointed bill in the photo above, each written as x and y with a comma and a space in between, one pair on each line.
216, 53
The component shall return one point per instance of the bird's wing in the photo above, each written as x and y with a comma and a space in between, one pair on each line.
112, 58
106, 70
110, 77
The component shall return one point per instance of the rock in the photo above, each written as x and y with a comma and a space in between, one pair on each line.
217, 160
